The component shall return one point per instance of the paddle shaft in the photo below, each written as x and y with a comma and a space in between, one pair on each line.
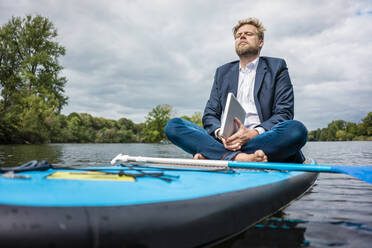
223, 163
281, 166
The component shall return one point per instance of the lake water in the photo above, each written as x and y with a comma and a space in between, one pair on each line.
336, 212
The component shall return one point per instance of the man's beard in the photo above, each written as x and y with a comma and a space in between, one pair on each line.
247, 50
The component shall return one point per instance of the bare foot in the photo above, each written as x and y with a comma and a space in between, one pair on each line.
258, 156
199, 156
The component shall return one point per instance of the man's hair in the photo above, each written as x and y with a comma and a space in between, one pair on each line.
252, 21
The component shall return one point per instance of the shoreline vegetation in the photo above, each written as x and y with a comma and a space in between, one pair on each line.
32, 97
340, 130
85, 128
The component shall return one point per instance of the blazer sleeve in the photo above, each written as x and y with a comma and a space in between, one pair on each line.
213, 108
283, 102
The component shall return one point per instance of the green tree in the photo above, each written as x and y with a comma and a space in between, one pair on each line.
367, 124
352, 128
323, 134
128, 130
155, 123
29, 60
341, 135
35, 119
333, 127
74, 127
311, 136
57, 125
317, 134
29, 69
125, 123
195, 118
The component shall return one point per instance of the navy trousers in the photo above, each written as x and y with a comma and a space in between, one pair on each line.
282, 143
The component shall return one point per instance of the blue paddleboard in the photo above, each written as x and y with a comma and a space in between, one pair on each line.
139, 205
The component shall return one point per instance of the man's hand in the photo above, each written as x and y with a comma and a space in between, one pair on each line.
238, 139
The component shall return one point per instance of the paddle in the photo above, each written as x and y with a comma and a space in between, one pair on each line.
361, 172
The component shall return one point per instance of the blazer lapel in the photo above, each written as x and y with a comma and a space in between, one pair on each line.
230, 83
233, 78
260, 74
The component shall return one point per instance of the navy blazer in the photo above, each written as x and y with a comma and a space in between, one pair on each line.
273, 93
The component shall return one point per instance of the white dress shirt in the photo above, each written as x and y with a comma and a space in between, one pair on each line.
245, 96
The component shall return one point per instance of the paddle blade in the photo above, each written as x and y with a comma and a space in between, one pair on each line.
361, 172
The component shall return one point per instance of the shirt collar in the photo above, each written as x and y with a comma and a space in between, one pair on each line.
250, 66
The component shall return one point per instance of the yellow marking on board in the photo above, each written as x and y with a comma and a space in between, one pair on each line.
89, 175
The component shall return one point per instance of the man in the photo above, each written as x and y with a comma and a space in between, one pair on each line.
263, 87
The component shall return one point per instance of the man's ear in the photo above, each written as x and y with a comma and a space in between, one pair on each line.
260, 44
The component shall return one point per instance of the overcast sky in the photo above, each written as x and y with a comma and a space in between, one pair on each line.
125, 57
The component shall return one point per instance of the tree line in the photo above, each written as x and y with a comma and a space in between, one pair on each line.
85, 128
340, 130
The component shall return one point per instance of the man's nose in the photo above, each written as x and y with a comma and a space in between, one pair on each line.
244, 35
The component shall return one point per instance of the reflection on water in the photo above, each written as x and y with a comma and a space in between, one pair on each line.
276, 231
13, 155
336, 212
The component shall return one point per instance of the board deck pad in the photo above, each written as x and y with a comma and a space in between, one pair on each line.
89, 175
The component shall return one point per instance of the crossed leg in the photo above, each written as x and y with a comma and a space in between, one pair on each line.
280, 144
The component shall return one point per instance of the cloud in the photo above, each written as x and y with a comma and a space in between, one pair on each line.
125, 57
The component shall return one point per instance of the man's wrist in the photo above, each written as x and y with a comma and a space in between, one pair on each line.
260, 130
